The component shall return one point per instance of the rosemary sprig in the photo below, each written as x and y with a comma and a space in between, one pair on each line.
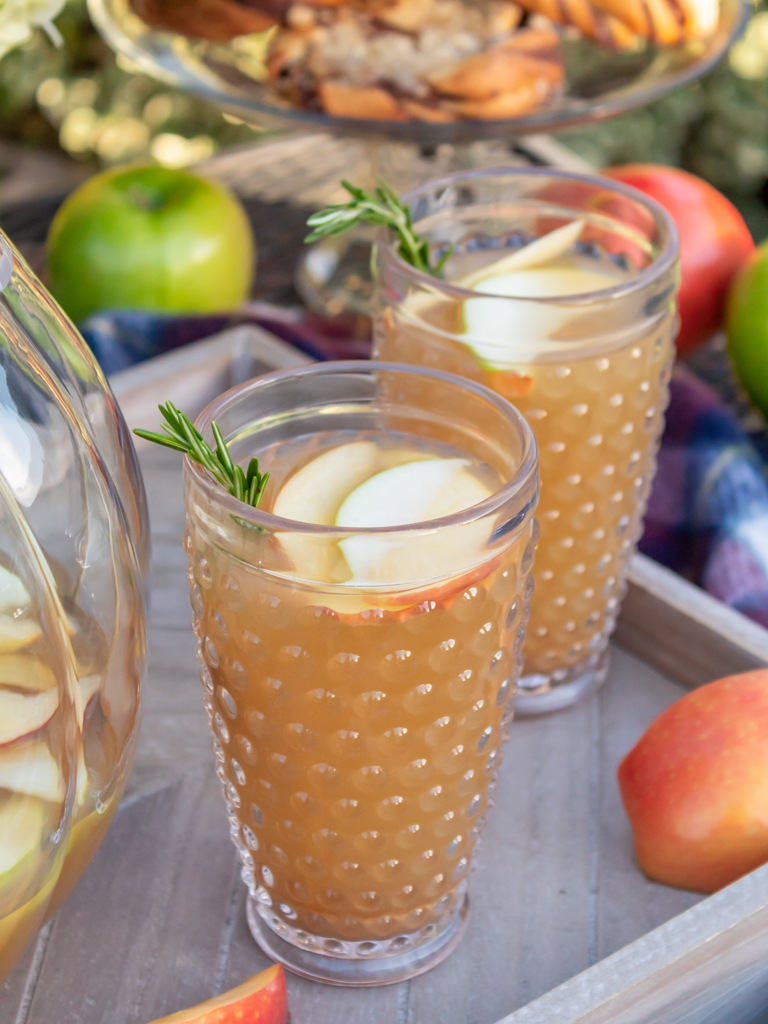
182, 436
382, 208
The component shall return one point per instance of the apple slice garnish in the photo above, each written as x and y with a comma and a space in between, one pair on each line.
13, 593
22, 828
30, 768
538, 252
412, 493
22, 714
506, 330
313, 495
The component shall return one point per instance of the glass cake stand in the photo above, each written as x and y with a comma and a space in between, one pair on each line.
334, 276
599, 83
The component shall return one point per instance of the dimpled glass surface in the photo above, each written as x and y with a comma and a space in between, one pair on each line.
598, 421
357, 751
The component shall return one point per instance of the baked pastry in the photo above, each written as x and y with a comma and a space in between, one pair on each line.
425, 60
625, 22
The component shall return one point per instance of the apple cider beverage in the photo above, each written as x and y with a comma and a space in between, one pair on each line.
359, 636
558, 292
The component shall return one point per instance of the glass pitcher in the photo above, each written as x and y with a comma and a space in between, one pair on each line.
73, 556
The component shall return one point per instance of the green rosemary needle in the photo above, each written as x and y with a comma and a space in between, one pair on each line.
182, 436
382, 208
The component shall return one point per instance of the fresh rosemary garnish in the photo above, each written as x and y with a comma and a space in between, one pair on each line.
382, 208
182, 436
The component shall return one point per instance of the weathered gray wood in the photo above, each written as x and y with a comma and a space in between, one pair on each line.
684, 632
627, 904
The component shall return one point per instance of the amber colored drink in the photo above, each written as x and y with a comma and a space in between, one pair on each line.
358, 722
589, 371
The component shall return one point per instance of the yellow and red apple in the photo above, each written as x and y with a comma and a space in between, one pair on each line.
260, 1000
695, 787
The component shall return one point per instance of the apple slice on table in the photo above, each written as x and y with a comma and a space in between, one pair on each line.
414, 492
22, 714
260, 1000
31, 769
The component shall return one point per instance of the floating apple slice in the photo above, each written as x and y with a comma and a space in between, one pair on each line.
88, 687
313, 495
13, 593
22, 827
414, 492
15, 634
25, 672
510, 330
30, 768
542, 250
22, 714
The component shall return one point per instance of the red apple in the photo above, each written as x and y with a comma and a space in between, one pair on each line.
260, 1000
714, 243
695, 788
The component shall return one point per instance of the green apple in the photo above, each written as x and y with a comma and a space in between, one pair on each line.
746, 324
150, 238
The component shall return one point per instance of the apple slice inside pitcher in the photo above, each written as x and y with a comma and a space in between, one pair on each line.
16, 634
13, 593
22, 714
31, 769
22, 828
25, 672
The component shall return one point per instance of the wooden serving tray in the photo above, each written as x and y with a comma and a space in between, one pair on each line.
564, 927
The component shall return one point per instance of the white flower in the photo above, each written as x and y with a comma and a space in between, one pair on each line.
19, 17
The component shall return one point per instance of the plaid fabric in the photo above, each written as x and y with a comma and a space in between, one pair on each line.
707, 516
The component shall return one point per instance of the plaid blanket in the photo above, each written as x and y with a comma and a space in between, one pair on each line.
707, 516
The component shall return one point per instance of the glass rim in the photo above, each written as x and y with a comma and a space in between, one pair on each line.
522, 477
660, 265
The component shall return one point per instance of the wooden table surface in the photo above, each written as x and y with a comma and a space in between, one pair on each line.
158, 921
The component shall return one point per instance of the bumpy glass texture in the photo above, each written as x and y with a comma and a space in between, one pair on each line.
357, 732
595, 399
357, 752
71, 591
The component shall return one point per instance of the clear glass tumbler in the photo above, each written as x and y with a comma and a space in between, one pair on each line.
588, 368
73, 543
357, 725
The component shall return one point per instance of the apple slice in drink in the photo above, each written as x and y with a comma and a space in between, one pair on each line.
413, 493
313, 495
29, 768
22, 714
506, 327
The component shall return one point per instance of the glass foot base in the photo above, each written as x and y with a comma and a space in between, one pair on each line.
541, 694
357, 963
